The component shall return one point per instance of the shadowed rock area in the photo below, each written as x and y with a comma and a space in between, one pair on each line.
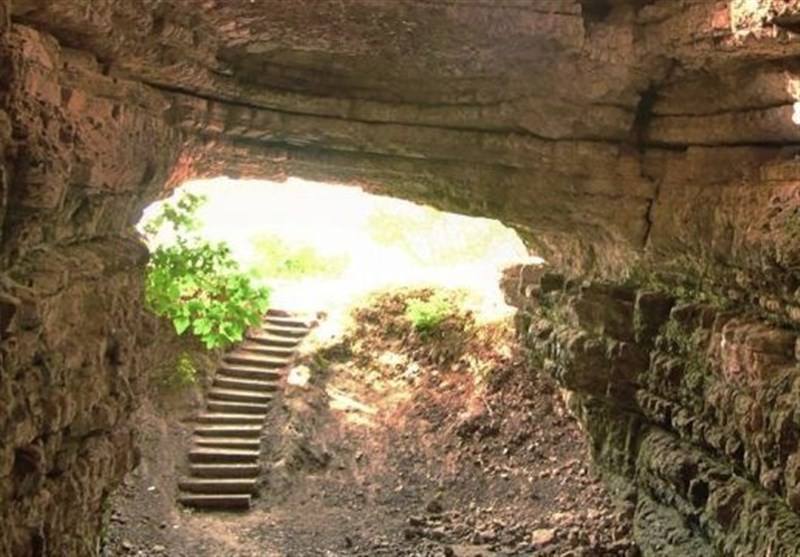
645, 148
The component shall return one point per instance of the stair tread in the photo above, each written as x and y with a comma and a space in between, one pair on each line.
290, 320
233, 466
218, 486
225, 366
231, 438
213, 450
231, 368
269, 325
225, 428
213, 500
245, 407
211, 496
289, 312
254, 409
259, 394
260, 347
215, 481
259, 356
223, 470
215, 455
204, 437
256, 384
241, 396
215, 496
224, 442
254, 359
221, 418
263, 333
252, 373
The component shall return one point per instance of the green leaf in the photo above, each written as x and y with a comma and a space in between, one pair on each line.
202, 326
181, 324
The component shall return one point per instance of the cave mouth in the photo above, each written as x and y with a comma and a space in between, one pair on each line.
319, 246
383, 434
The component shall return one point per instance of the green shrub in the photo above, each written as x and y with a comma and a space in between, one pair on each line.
427, 315
196, 283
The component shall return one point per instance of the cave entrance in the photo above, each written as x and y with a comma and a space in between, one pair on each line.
318, 246
417, 424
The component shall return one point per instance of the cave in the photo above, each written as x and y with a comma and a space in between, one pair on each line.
646, 149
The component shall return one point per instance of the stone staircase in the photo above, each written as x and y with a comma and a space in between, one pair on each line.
224, 459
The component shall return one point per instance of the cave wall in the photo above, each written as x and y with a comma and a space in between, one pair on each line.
690, 403
82, 153
644, 147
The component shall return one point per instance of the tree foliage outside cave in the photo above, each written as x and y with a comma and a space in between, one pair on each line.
435, 238
279, 260
196, 283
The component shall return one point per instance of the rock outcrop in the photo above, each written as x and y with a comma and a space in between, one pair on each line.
644, 142
690, 403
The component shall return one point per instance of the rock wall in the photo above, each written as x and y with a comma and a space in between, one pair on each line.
645, 143
690, 403
81, 154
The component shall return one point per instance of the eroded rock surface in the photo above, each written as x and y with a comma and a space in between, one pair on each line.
617, 135
690, 407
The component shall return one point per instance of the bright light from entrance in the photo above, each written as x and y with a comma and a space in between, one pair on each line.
351, 241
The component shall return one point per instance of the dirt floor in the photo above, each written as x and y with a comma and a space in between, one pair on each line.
399, 444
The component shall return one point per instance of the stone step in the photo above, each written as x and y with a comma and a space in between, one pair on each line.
220, 418
284, 330
254, 359
260, 336
239, 395
224, 460
233, 502
224, 381
218, 486
209, 455
235, 407
277, 312
224, 470
250, 372
289, 321
245, 443
234, 430
267, 349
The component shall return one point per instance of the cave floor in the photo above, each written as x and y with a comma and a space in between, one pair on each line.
360, 464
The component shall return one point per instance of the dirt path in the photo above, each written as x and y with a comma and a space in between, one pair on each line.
383, 453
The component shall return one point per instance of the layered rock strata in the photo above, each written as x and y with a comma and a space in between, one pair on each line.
689, 402
621, 137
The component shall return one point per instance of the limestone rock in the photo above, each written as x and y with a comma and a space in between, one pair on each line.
614, 135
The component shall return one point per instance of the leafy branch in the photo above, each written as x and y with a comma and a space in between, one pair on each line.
196, 283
